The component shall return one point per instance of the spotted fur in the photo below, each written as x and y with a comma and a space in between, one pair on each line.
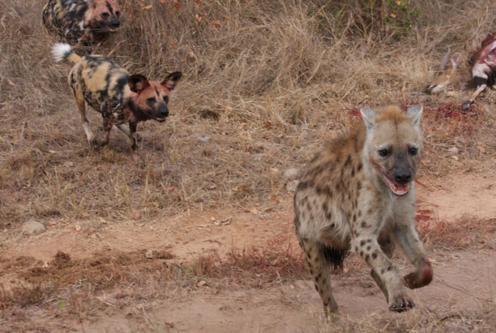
122, 99
358, 195
82, 21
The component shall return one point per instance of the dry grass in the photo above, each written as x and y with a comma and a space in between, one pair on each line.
418, 321
265, 83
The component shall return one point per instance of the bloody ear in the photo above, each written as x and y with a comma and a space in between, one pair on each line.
171, 80
138, 83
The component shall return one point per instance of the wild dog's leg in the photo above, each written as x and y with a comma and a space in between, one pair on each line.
412, 246
81, 104
365, 243
320, 270
124, 129
107, 127
480, 89
387, 245
132, 128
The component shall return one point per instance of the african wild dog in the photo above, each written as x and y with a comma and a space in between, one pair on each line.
481, 65
359, 194
82, 21
109, 89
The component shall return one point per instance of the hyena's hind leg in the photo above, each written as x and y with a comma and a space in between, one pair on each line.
318, 264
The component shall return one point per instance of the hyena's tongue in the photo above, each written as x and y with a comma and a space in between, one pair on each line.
396, 188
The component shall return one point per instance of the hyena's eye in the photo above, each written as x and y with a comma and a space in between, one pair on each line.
384, 152
166, 99
412, 151
105, 16
118, 13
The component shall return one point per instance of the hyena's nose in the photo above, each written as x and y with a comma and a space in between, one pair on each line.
403, 177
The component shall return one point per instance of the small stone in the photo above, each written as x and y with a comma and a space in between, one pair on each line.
33, 228
291, 186
291, 174
149, 254
203, 138
201, 283
454, 150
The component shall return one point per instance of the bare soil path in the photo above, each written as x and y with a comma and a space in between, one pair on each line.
464, 279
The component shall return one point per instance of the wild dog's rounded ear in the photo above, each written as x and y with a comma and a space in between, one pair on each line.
456, 59
368, 116
444, 61
414, 113
171, 80
138, 83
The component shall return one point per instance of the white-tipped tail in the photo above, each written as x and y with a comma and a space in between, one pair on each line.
60, 51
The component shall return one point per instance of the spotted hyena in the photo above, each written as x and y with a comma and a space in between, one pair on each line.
478, 71
358, 194
82, 21
122, 99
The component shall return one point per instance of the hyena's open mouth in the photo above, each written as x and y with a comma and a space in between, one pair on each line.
395, 187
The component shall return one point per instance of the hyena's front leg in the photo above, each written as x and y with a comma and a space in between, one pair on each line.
387, 246
320, 270
412, 246
366, 245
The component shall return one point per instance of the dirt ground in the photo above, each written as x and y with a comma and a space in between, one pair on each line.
193, 232
464, 281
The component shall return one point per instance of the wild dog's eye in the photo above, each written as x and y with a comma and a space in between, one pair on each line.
166, 99
105, 15
384, 152
150, 100
413, 151
118, 13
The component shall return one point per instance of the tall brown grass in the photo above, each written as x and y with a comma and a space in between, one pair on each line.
265, 83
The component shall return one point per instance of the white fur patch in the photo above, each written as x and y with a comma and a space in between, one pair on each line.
60, 51
480, 70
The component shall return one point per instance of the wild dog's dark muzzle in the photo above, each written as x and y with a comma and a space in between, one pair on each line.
163, 112
115, 23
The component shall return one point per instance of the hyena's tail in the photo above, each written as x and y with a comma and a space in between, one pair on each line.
64, 52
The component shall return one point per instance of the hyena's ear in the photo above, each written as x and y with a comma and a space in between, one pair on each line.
368, 116
171, 80
138, 83
414, 113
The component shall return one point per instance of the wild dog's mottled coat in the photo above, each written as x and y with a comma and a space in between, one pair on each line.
82, 21
359, 194
119, 97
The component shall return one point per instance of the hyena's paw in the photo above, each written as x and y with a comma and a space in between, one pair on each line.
330, 311
401, 303
421, 277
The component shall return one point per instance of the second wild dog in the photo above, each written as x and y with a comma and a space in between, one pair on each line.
122, 99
